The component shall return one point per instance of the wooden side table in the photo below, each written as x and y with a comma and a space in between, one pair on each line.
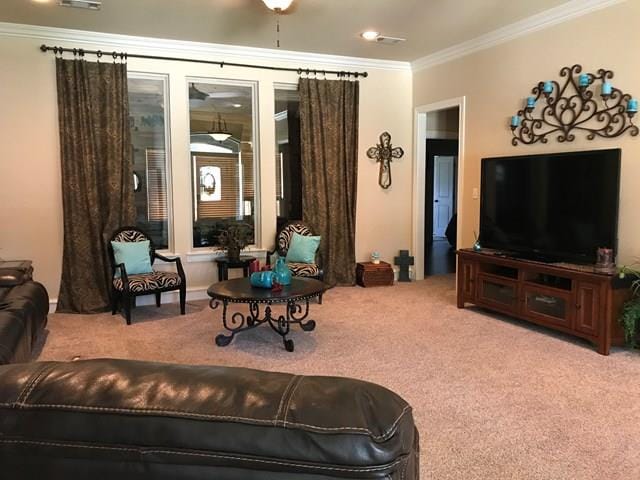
224, 264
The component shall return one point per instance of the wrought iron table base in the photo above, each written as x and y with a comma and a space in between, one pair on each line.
295, 313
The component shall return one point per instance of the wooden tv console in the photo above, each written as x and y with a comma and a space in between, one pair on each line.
574, 299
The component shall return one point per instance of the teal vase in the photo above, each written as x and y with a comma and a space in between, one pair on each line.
262, 279
281, 273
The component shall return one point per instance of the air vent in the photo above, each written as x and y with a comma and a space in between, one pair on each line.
390, 40
90, 4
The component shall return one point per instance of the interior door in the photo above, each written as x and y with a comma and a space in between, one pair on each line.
443, 193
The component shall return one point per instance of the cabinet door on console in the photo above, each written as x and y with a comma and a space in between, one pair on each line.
588, 308
548, 306
498, 293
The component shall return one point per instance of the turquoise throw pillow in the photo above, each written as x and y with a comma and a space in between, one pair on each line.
134, 255
302, 249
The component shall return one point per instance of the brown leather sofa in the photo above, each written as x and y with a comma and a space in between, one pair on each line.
23, 316
123, 419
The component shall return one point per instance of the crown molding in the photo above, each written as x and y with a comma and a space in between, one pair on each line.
539, 21
167, 47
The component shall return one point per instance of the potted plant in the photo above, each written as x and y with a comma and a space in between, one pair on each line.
234, 237
630, 317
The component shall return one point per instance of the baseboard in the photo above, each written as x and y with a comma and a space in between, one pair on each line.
195, 293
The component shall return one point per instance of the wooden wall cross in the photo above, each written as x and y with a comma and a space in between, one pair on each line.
383, 153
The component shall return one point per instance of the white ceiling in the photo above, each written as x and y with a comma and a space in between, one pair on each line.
318, 26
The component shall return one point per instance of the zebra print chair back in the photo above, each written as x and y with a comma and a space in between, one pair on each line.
285, 235
132, 234
283, 241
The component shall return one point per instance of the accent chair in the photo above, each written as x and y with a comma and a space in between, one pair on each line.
126, 287
283, 241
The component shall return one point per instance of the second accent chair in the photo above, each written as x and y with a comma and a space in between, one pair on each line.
126, 285
283, 242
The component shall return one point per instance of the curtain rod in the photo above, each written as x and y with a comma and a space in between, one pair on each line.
124, 56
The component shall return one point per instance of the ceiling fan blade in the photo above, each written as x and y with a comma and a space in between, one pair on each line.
195, 94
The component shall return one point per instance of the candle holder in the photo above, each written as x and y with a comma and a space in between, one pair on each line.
571, 107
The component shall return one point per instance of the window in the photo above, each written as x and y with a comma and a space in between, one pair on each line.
288, 166
222, 126
148, 122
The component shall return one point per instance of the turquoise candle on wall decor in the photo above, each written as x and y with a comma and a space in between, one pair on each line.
548, 87
515, 121
606, 88
583, 80
531, 102
632, 105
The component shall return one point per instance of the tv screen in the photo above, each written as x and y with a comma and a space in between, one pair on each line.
556, 207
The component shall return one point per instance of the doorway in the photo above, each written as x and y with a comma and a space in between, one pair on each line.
441, 182
438, 186
440, 221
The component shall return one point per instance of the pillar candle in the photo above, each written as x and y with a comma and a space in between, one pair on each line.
606, 88
548, 87
531, 102
632, 105
515, 121
584, 80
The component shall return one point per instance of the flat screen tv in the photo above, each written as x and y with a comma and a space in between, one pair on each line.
555, 207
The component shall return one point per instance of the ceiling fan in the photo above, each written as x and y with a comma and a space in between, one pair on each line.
218, 131
278, 5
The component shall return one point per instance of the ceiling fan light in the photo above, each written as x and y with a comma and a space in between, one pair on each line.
370, 35
220, 136
279, 5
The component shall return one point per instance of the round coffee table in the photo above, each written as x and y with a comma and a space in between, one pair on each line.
239, 290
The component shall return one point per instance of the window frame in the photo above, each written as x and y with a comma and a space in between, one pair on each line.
255, 147
292, 87
165, 78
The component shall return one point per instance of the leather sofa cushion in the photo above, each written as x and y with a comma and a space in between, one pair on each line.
23, 315
237, 417
15, 337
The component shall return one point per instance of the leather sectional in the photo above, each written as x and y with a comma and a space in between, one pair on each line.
140, 420
23, 316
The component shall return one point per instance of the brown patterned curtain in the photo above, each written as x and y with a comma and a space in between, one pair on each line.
97, 172
329, 143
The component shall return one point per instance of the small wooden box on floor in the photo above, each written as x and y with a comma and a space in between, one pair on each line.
369, 274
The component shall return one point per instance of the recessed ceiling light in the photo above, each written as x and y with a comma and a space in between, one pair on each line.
41, 1
90, 4
237, 105
370, 35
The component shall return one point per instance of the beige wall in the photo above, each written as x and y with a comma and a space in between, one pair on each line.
30, 197
495, 82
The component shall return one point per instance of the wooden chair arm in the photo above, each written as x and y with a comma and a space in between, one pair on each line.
175, 260
166, 259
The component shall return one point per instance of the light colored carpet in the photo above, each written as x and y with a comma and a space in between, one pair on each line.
493, 398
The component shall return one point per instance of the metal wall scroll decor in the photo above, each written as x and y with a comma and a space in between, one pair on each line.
383, 153
574, 106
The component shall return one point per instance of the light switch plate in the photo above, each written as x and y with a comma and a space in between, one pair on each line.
475, 194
